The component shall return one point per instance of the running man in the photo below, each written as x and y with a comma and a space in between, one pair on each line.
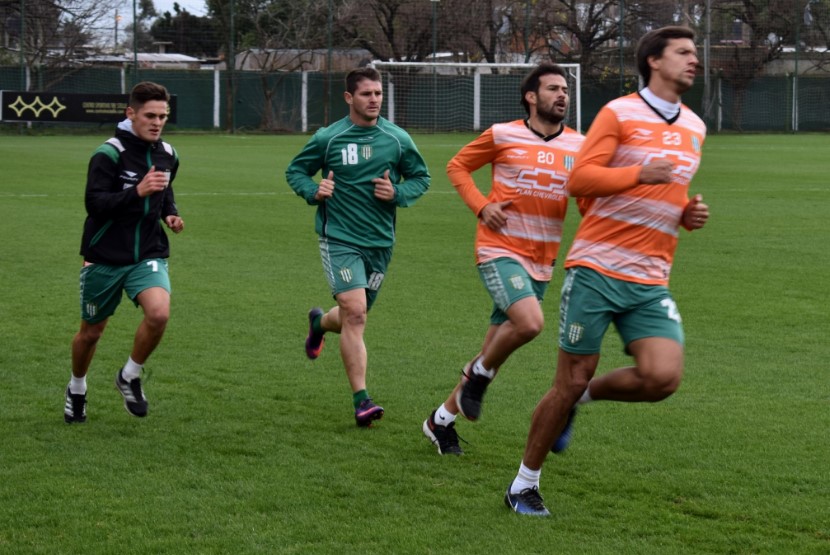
370, 167
129, 194
518, 234
631, 180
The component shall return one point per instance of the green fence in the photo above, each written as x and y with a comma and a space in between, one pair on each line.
274, 102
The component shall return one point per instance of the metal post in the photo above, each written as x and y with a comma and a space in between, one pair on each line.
622, 49
434, 77
434, 35
231, 108
20, 45
707, 83
527, 31
327, 90
135, 43
794, 115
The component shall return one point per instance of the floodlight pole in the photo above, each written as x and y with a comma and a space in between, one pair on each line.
135, 43
22, 34
527, 31
327, 90
434, 78
622, 49
231, 67
434, 34
707, 81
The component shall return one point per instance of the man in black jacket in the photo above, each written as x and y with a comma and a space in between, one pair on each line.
129, 194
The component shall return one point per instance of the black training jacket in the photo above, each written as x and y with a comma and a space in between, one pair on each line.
122, 228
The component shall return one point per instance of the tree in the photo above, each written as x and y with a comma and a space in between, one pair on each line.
480, 29
284, 36
594, 31
389, 29
54, 34
764, 26
190, 34
274, 38
143, 40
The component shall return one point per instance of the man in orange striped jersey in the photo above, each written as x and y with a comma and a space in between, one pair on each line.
631, 180
518, 235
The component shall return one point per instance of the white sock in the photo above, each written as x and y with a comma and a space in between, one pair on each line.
526, 478
131, 370
586, 396
443, 417
77, 386
479, 369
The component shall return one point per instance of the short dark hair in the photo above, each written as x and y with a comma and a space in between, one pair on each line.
531, 81
145, 92
355, 76
654, 42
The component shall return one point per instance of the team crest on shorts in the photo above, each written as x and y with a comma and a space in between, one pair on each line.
346, 274
575, 333
517, 282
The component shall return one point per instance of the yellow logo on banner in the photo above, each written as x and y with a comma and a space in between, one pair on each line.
37, 106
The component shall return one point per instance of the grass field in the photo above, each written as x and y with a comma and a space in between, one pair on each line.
251, 448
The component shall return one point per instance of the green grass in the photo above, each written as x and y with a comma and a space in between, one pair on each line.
251, 448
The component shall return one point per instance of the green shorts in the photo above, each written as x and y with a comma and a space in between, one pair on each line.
350, 267
507, 281
591, 301
101, 286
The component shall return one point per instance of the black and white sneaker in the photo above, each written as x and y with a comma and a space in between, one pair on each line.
526, 502
444, 438
134, 400
471, 394
74, 408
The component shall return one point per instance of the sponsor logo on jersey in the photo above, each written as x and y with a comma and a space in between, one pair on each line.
516, 153
641, 134
685, 165
541, 179
128, 179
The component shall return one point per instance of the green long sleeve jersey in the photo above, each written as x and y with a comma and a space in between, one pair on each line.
357, 155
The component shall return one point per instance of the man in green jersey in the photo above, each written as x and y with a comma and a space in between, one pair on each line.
369, 167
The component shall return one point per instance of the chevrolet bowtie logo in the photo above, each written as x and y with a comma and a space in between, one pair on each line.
540, 179
37, 106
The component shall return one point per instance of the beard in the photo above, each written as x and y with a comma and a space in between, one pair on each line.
550, 114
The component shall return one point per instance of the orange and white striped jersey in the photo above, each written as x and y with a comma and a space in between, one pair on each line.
531, 173
629, 231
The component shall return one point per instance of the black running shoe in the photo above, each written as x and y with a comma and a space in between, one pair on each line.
444, 438
526, 502
74, 408
471, 394
134, 400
